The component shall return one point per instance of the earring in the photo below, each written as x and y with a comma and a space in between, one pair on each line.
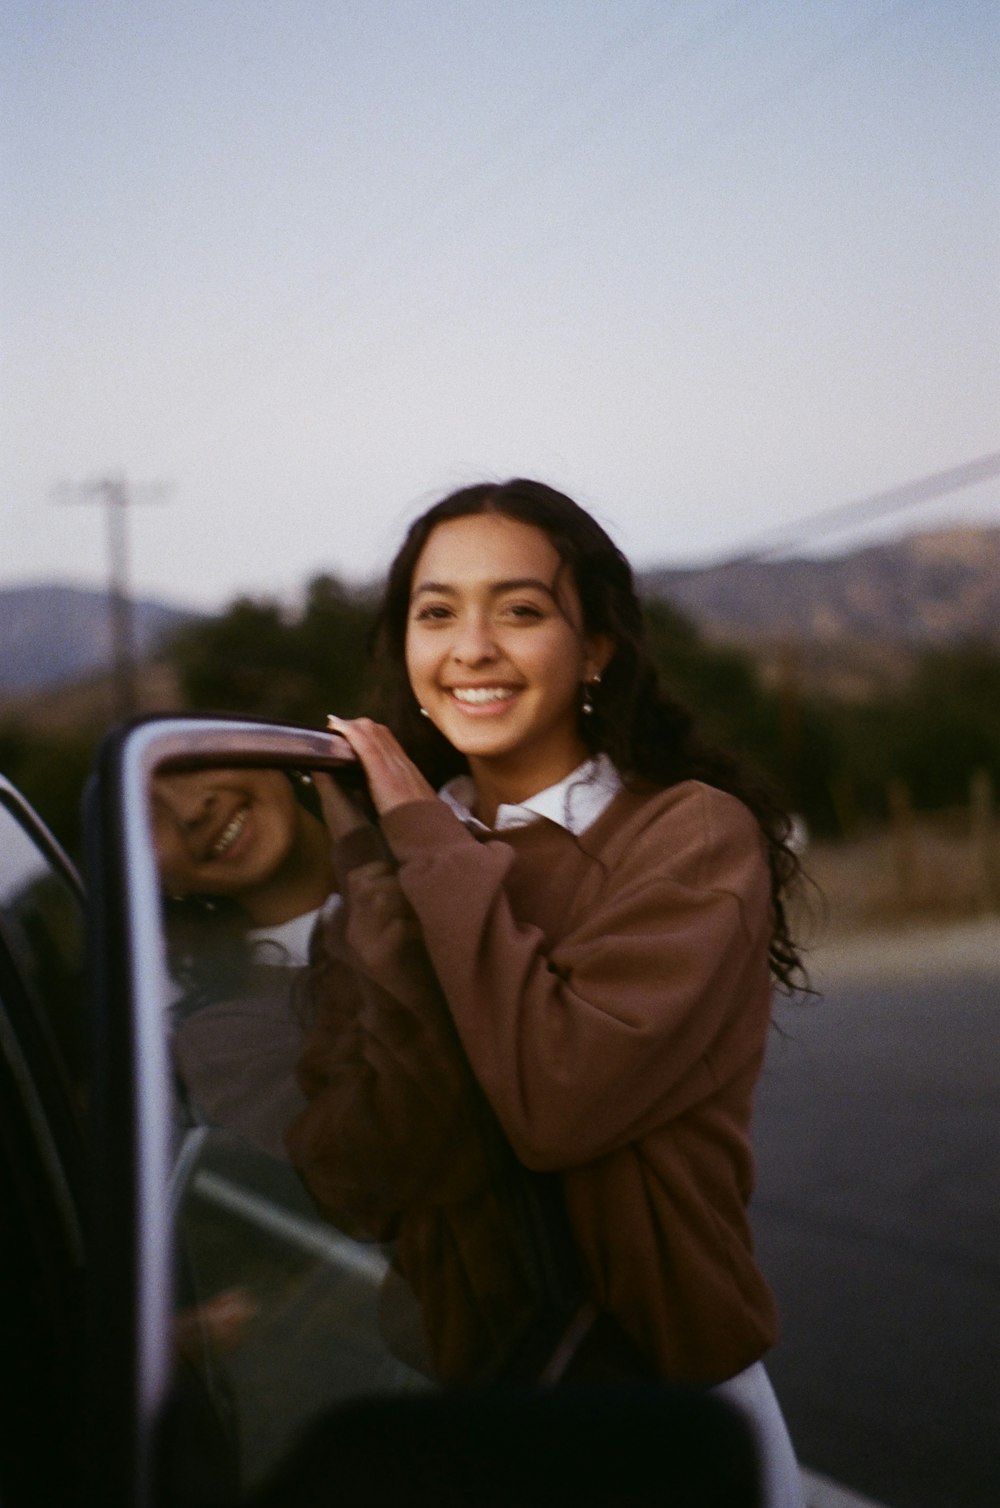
587, 707
424, 712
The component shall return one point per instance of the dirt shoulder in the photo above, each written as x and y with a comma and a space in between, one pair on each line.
866, 914
904, 950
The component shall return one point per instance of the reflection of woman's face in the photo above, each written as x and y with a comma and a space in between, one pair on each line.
224, 832
495, 647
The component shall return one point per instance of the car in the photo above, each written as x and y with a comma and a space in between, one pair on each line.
186, 1320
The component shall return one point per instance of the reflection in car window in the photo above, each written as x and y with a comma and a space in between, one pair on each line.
278, 1314
42, 921
42, 1251
350, 1220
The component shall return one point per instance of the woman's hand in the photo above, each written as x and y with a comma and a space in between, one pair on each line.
222, 1320
340, 813
393, 778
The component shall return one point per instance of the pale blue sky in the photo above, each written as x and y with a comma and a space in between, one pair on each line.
711, 267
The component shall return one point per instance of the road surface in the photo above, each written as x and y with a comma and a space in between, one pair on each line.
877, 1217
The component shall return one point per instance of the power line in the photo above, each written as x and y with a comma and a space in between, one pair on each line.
863, 510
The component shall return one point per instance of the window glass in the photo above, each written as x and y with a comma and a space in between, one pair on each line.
351, 1221
42, 1248
42, 922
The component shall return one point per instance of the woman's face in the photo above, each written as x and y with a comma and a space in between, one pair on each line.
223, 832
495, 647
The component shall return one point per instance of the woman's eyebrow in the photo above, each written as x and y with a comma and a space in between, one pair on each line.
519, 583
439, 588
516, 584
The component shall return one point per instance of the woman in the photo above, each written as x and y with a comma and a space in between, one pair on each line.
601, 899
246, 866
257, 933
247, 837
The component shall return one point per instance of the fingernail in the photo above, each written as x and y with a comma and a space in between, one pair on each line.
332, 720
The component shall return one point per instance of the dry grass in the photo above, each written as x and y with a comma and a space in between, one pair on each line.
933, 869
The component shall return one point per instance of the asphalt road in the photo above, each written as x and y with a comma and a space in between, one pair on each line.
877, 1218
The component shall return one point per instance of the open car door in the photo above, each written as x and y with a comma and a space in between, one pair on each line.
43, 1104
280, 1256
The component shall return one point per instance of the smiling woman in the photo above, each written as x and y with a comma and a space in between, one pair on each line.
602, 900
245, 863
496, 658
240, 834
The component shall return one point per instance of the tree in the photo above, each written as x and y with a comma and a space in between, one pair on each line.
947, 723
259, 660
50, 770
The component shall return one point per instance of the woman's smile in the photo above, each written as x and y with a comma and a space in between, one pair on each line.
228, 838
480, 700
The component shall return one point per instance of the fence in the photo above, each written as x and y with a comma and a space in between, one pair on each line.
939, 865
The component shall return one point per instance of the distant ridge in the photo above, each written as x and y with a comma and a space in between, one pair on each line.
53, 634
938, 587
849, 615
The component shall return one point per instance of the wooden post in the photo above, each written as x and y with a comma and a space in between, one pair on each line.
984, 876
790, 711
903, 840
845, 807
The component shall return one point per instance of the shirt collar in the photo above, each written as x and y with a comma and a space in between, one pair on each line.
573, 803
288, 942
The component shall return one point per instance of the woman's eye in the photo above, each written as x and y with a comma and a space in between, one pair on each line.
432, 612
527, 611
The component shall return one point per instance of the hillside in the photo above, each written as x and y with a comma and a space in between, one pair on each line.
849, 626
936, 587
851, 623
53, 635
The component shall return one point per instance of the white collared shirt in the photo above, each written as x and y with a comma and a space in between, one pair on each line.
573, 803
287, 943
284, 943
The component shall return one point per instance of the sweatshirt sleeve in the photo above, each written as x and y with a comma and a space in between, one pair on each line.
590, 1043
392, 1117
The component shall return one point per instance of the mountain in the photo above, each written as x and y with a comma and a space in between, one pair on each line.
932, 588
852, 622
51, 635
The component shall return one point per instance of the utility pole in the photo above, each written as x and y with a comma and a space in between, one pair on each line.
114, 492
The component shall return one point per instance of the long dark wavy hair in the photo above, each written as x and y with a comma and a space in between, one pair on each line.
648, 735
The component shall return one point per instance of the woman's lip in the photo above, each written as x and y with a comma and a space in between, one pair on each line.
483, 694
230, 834
485, 705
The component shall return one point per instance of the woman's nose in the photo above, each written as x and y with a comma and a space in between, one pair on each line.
189, 803
474, 641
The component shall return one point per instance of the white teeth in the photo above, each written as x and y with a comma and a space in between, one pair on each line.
476, 695
230, 833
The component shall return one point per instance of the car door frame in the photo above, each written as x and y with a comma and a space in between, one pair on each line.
130, 1279
44, 1179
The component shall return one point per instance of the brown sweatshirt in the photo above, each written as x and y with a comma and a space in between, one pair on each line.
612, 994
397, 1142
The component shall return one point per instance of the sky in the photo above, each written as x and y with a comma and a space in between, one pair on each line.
293, 269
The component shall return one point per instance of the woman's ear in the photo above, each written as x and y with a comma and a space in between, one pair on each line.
599, 649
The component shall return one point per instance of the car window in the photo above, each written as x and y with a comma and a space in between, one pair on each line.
349, 1219
43, 934
42, 1243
